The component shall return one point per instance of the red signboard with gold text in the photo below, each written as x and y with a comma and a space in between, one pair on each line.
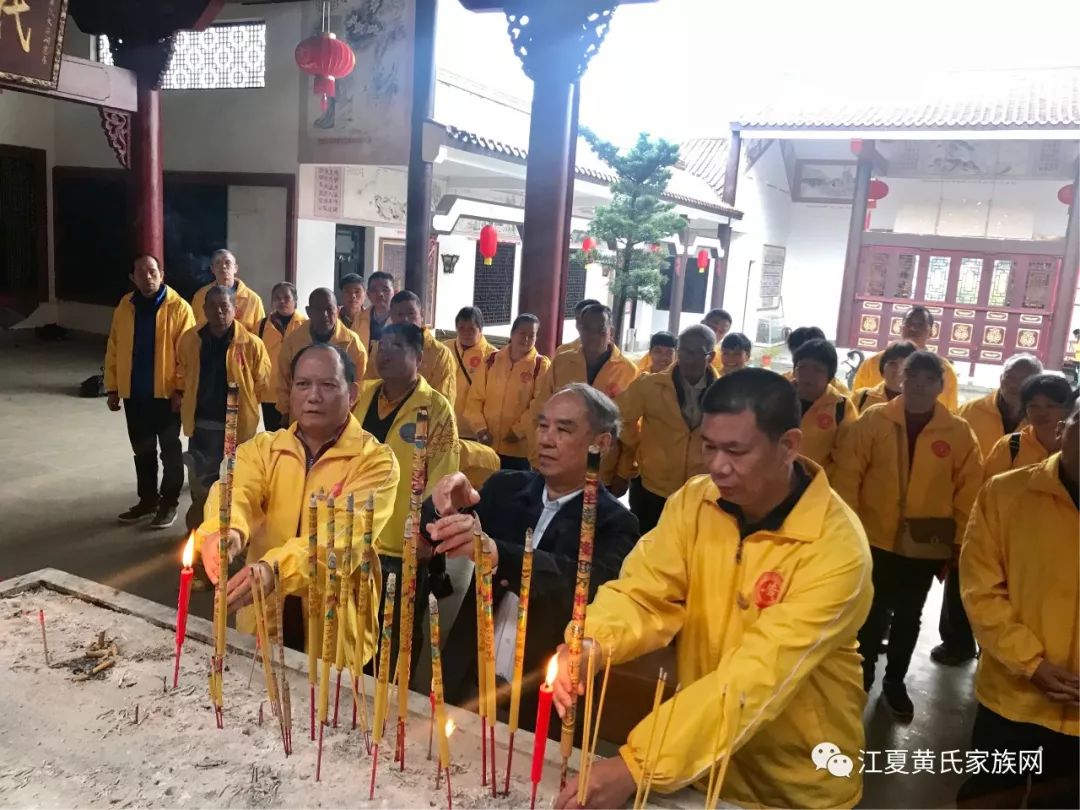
31, 41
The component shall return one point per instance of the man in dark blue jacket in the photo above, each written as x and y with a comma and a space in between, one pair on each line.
549, 502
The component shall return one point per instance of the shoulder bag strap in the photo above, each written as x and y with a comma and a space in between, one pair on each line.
461, 364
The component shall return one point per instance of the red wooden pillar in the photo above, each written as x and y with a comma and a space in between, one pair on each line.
148, 184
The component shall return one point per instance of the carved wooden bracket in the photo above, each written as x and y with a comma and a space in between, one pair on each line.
117, 127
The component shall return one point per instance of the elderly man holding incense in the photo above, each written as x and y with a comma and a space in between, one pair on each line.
761, 575
549, 502
324, 456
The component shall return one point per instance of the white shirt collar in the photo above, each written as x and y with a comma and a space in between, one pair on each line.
559, 502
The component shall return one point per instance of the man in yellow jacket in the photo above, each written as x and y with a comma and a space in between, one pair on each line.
825, 410
575, 344
282, 321
212, 356
761, 575
352, 312
249, 306
997, 414
323, 326
500, 399
1019, 570
387, 408
596, 362
325, 452
1045, 400
910, 470
140, 369
918, 326
661, 354
661, 426
437, 366
470, 349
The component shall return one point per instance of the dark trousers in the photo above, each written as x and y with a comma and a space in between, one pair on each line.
150, 423
1056, 786
953, 625
271, 417
900, 588
392, 565
514, 463
207, 449
646, 506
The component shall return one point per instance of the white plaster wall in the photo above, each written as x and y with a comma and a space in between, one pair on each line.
314, 256
455, 291
814, 271
256, 230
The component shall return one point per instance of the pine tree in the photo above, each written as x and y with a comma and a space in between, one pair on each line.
635, 219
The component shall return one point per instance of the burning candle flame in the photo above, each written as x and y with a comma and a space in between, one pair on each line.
189, 550
450, 727
552, 670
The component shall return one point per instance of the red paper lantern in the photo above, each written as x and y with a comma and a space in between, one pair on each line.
588, 243
702, 260
879, 190
328, 59
1067, 194
489, 243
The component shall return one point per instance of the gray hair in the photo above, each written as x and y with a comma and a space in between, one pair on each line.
702, 331
602, 410
221, 289
222, 253
1027, 359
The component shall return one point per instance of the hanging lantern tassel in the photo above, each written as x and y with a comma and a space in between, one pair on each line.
489, 243
328, 59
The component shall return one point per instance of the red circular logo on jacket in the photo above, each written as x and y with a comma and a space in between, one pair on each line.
767, 589
525, 376
613, 391
824, 421
941, 448
474, 361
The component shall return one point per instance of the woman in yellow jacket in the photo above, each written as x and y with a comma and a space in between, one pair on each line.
899, 465
1020, 588
1045, 400
325, 453
249, 306
761, 575
824, 409
272, 331
470, 349
501, 396
891, 365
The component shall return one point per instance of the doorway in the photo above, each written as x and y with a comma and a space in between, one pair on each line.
24, 238
348, 252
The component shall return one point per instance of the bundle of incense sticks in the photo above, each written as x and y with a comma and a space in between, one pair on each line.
313, 604
718, 770
649, 770
330, 623
266, 652
588, 751
221, 602
438, 704
283, 691
519, 650
345, 597
417, 483
658, 696
489, 662
382, 683
481, 654
581, 600
362, 620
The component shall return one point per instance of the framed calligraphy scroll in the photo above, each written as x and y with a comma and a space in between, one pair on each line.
31, 42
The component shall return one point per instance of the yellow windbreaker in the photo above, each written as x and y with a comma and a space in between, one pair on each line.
1000, 458
436, 367
985, 419
821, 429
443, 449
864, 398
249, 306
500, 399
655, 435
1018, 582
569, 346
872, 461
765, 639
273, 339
470, 360
613, 378
271, 490
343, 337
361, 326
869, 375
173, 319
247, 365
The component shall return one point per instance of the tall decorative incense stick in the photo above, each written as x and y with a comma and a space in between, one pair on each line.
313, 603
481, 640
650, 768
658, 696
519, 650
345, 594
382, 684
581, 600
489, 652
437, 684
330, 623
286, 696
221, 603
362, 621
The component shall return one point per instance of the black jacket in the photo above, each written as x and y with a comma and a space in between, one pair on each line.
510, 503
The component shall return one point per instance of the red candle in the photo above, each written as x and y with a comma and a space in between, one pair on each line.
543, 718
186, 574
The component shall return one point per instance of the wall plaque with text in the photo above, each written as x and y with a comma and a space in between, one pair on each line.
31, 41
